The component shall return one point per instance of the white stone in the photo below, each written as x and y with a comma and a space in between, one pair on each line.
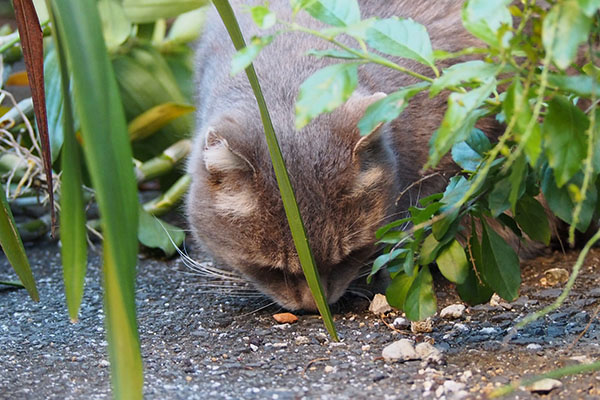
544, 385
428, 352
379, 305
453, 386
453, 311
534, 347
329, 368
400, 350
300, 340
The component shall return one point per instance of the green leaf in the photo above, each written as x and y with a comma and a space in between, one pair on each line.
499, 264
564, 28
484, 18
384, 229
145, 81
385, 259
472, 291
581, 85
13, 247
73, 231
143, 11
420, 300
154, 233
516, 102
388, 108
108, 155
589, 7
560, 202
532, 218
263, 17
324, 91
517, 176
154, 119
402, 38
429, 250
420, 215
290, 204
452, 262
498, 199
333, 12
54, 102
115, 26
398, 289
459, 120
243, 58
564, 138
186, 27
466, 157
469, 71
455, 191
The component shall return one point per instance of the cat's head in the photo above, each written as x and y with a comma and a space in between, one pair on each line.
345, 187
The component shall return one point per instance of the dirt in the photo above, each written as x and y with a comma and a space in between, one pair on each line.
198, 345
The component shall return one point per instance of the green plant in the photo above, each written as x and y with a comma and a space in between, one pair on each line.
87, 153
535, 73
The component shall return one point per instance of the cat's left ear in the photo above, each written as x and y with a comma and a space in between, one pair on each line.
357, 106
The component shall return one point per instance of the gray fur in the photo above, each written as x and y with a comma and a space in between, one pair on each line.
345, 192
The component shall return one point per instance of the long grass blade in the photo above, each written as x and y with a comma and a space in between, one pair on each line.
108, 157
72, 216
285, 187
33, 53
13, 248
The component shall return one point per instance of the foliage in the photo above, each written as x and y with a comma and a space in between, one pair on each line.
535, 74
108, 62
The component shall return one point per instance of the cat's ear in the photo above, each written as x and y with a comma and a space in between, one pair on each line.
219, 157
368, 145
358, 103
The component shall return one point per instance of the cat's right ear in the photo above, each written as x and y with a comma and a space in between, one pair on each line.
219, 157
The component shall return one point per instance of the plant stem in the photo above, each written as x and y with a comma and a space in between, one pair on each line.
170, 198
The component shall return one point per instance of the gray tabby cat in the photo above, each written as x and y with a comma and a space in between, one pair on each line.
346, 186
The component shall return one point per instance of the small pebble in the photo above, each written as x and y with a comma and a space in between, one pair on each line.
253, 347
534, 347
400, 350
285, 318
379, 305
422, 326
555, 276
366, 347
428, 352
487, 331
466, 375
300, 340
453, 311
401, 323
329, 368
544, 386
453, 386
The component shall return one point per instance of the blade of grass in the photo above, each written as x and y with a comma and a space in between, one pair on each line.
285, 187
32, 43
13, 247
73, 233
108, 156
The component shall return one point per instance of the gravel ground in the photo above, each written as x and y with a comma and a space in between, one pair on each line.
197, 345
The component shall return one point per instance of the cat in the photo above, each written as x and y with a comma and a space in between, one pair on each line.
346, 186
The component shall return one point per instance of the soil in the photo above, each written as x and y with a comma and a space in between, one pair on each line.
198, 345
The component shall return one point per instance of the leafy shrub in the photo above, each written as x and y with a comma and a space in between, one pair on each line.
535, 74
